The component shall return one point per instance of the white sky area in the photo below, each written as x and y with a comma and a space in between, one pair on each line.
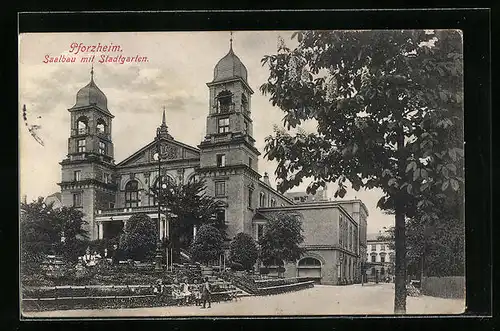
179, 66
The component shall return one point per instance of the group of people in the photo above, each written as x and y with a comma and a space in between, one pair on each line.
184, 293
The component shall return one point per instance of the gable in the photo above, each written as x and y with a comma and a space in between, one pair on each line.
170, 149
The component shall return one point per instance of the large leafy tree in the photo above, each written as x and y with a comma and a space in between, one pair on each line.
140, 237
282, 238
45, 230
188, 206
243, 250
207, 246
388, 107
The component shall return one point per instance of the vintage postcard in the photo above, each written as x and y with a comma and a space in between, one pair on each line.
246, 173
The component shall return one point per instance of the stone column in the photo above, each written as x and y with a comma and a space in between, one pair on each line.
167, 226
161, 228
100, 230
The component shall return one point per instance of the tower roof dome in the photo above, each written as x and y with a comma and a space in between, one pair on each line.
230, 66
91, 95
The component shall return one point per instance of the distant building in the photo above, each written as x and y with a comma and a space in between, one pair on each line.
303, 197
379, 256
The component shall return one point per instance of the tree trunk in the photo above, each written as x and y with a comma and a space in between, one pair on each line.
400, 265
399, 231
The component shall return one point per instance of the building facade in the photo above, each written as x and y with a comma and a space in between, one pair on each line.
380, 258
109, 193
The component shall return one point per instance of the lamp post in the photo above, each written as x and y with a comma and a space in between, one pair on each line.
158, 256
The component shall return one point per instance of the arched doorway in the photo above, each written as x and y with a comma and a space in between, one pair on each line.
309, 267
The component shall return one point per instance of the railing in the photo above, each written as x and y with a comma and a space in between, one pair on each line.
127, 210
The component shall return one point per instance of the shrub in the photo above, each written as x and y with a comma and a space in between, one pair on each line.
237, 266
208, 244
139, 240
243, 251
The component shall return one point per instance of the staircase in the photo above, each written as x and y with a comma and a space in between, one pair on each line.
228, 286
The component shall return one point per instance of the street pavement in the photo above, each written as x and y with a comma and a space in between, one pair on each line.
370, 299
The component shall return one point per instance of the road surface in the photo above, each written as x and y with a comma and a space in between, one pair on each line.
321, 300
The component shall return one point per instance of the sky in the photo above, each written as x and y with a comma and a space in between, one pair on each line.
179, 64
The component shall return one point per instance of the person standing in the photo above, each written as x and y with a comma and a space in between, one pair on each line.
206, 294
197, 293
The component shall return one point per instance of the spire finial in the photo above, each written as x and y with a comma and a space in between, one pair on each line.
163, 121
92, 72
231, 41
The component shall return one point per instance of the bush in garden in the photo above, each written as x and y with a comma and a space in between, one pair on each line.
208, 244
237, 266
139, 240
243, 251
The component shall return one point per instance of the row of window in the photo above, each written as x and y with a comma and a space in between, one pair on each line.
225, 102
383, 247
81, 148
348, 234
374, 258
82, 125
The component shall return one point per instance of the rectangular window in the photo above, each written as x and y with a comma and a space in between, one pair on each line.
250, 162
260, 231
221, 160
382, 258
102, 147
250, 192
223, 125
76, 175
382, 247
374, 248
220, 189
81, 146
221, 216
374, 258
111, 205
77, 200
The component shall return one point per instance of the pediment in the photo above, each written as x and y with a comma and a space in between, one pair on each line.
171, 150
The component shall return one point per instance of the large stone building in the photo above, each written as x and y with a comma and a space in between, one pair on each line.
108, 193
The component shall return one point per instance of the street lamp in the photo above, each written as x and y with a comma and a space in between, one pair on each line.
157, 156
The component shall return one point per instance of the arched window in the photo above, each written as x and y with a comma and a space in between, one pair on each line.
244, 103
82, 125
132, 194
164, 180
309, 261
224, 102
101, 126
262, 199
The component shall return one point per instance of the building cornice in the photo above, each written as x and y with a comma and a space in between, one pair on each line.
85, 183
92, 107
230, 80
234, 140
